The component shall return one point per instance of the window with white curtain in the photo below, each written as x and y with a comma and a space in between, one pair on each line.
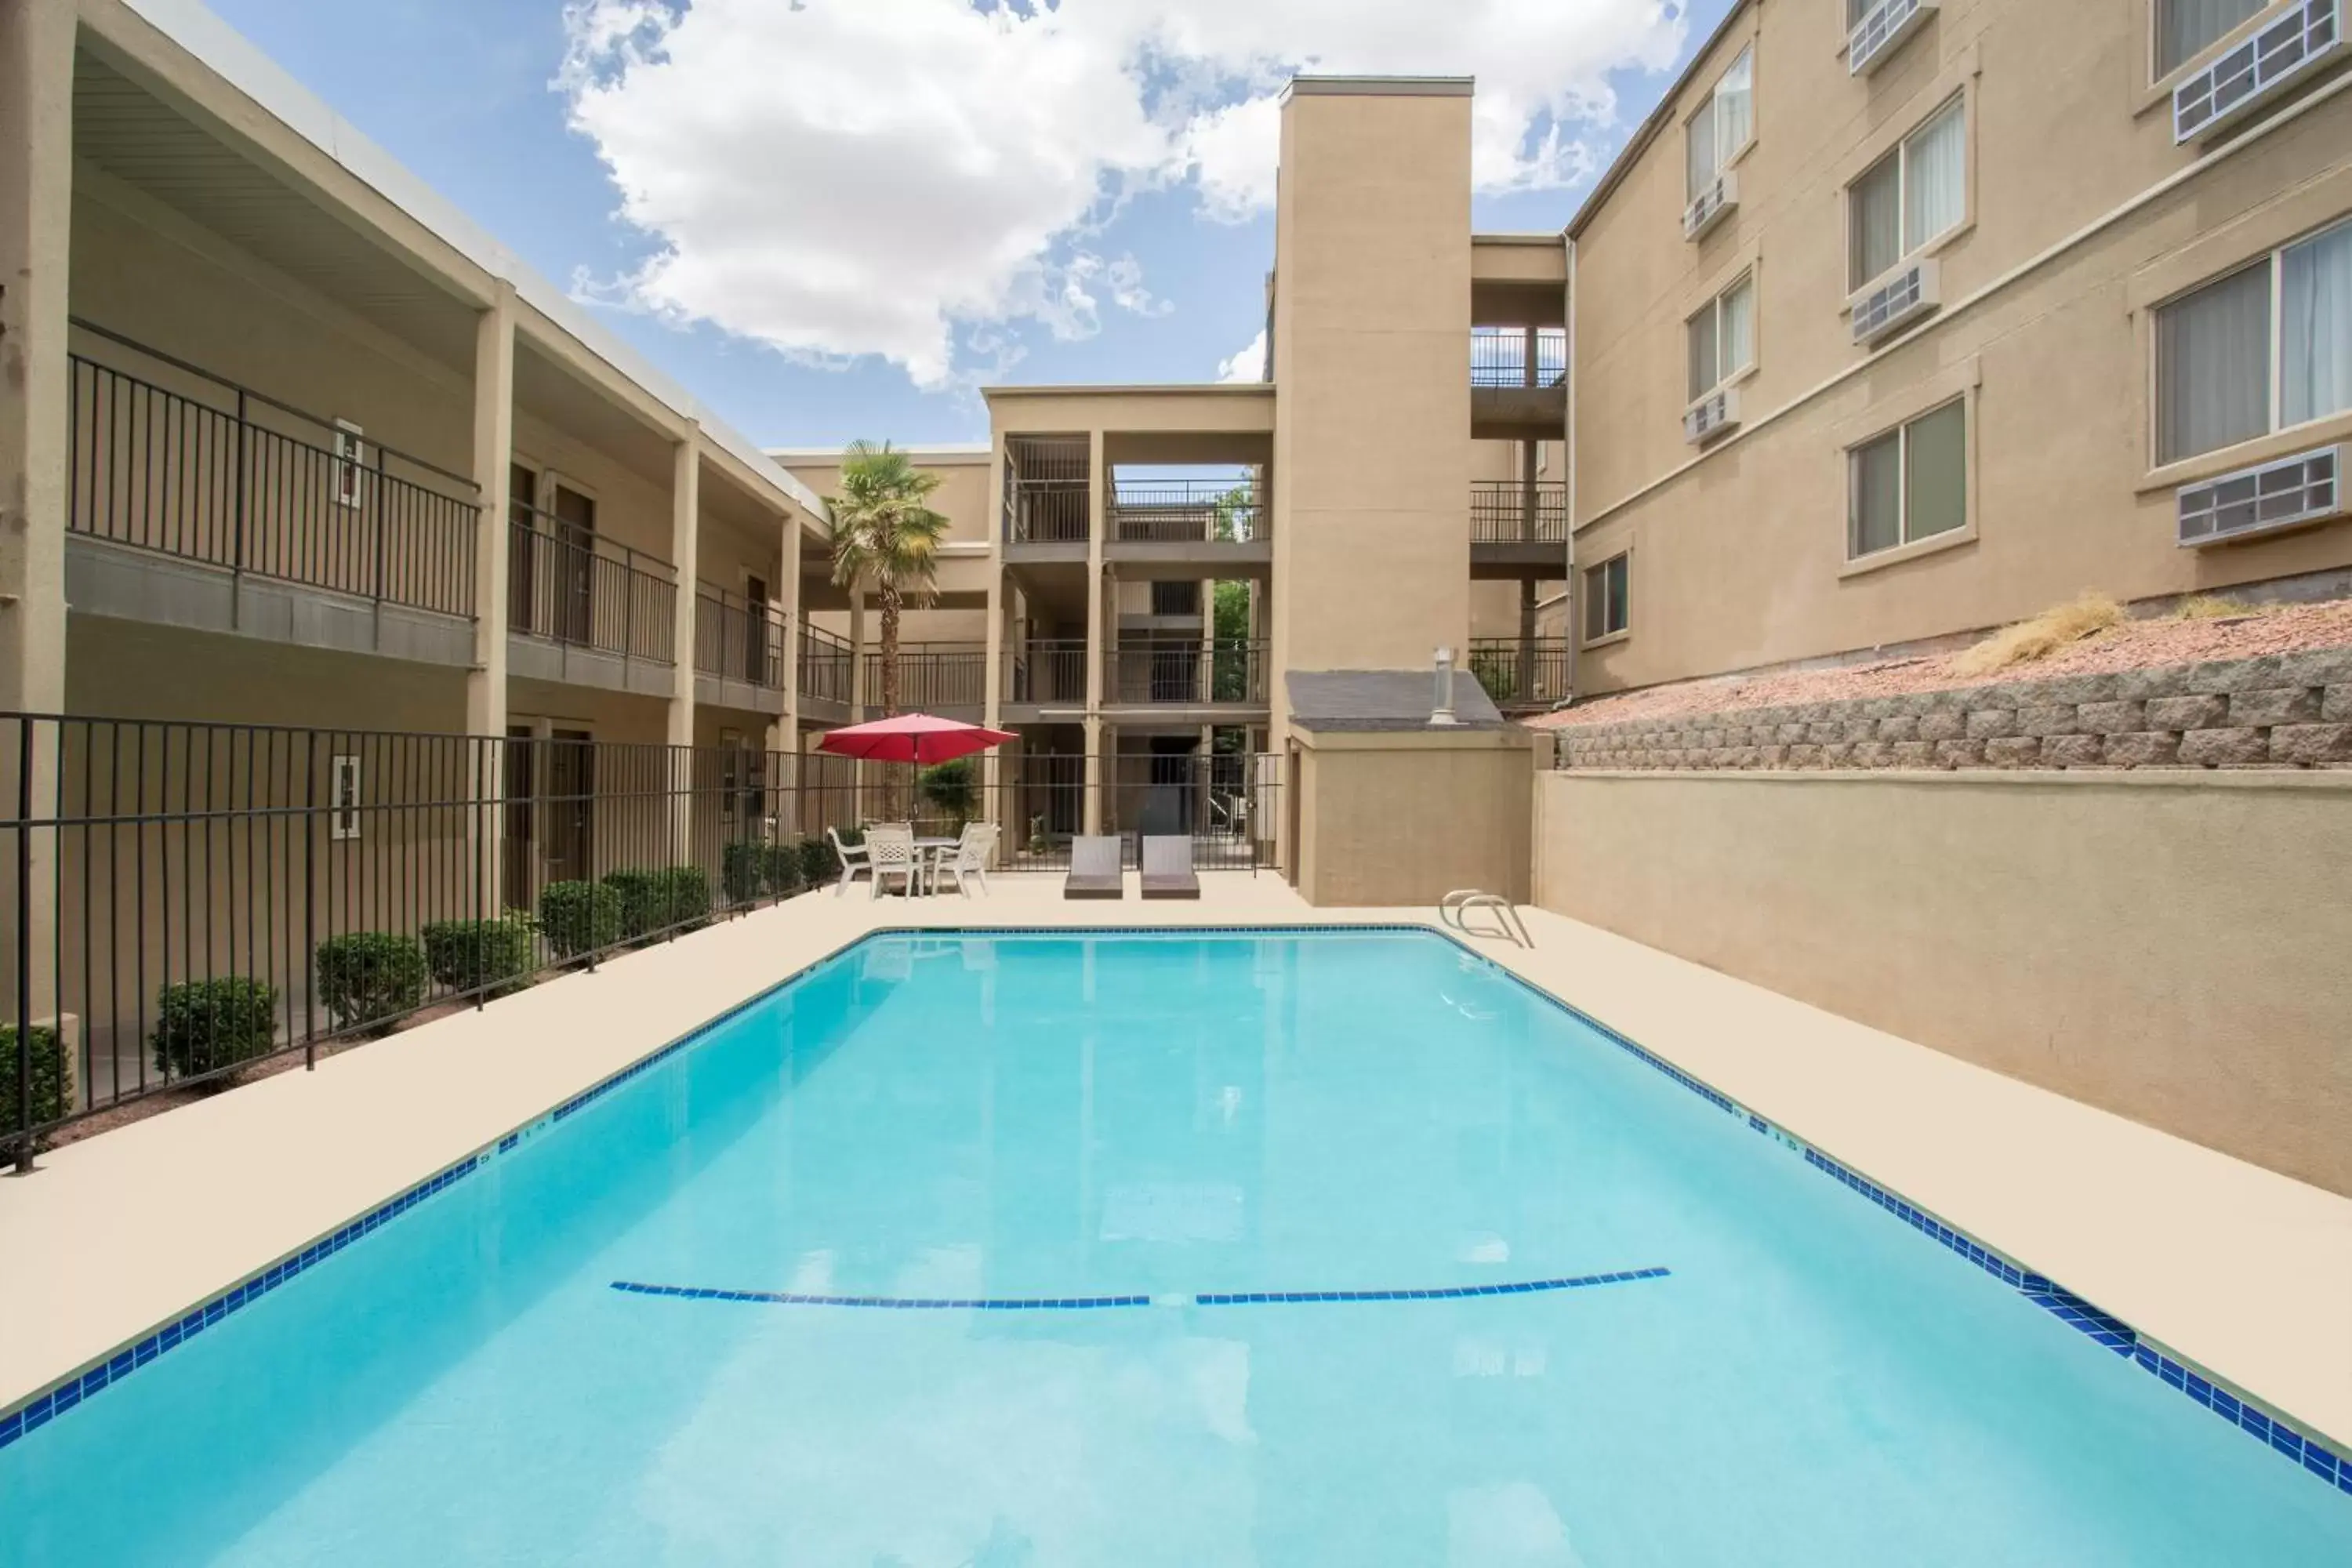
1724, 124
1912, 196
2267, 348
1909, 484
1723, 337
2186, 27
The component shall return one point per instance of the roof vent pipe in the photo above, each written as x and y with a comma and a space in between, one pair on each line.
1441, 714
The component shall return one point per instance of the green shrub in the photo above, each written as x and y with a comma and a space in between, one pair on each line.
578, 917
466, 955
752, 871
638, 893
208, 1025
660, 900
52, 1080
951, 790
370, 977
819, 864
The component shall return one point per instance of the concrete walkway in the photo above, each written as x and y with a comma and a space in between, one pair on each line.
2243, 1272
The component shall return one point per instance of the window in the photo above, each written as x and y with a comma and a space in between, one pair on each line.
343, 798
351, 463
2267, 348
1606, 607
2184, 28
1722, 338
1175, 598
1909, 197
1724, 124
1909, 484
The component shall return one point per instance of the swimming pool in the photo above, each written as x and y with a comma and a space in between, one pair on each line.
1152, 1248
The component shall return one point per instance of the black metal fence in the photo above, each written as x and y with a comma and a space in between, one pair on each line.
1523, 673
1050, 670
168, 457
1226, 671
1518, 356
1512, 511
185, 901
827, 665
1048, 494
738, 638
567, 584
932, 676
1187, 512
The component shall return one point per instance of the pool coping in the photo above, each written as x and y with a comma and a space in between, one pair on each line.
2277, 1428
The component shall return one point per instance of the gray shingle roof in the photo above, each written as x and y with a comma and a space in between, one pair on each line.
1374, 699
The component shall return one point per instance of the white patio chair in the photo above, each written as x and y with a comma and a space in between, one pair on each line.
969, 858
890, 852
853, 860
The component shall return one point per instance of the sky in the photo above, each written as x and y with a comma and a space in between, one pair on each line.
840, 218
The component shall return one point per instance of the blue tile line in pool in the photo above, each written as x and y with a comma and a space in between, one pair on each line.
1099, 1304
2109, 1332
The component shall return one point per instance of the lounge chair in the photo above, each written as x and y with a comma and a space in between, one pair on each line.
853, 860
969, 858
1168, 867
1096, 869
890, 852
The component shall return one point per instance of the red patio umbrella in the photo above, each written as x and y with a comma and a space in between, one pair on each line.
917, 738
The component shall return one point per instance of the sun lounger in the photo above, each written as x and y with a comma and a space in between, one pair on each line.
1095, 870
1168, 867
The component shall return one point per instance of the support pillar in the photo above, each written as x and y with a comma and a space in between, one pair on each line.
486, 682
1097, 525
685, 508
785, 734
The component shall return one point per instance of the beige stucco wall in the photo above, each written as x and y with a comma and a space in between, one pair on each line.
2168, 947
1407, 818
1740, 560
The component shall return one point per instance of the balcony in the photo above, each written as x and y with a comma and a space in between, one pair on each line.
1218, 524
1518, 530
1049, 497
1050, 673
1187, 675
827, 671
1518, 383
583, 609
1523, 675
950, 679
739, 651
194, 502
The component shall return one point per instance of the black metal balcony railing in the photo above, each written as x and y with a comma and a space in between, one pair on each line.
1187, 512
1052, 671
1518, 356
1511, 511
1047, 511
932, 676
826, 666
1522, 673
175, 459
1189, 673
565, 585
737, 638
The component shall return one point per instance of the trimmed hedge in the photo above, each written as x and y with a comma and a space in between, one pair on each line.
753, 871
578, 917
369, 978
654, 901
208, 1025
52, 1084
819, 864
465, 955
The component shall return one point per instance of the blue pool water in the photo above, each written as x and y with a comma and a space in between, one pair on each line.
1734, 1360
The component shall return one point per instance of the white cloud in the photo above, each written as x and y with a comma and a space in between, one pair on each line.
909, 178
1248, 364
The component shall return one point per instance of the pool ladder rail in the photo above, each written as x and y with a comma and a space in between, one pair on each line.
1455, 909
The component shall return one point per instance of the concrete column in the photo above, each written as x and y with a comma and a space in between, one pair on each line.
785, 734
992, 762
1098, 646
857, 686
685, 508
486, 682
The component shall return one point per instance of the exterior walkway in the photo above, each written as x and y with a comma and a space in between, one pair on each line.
2245, 1273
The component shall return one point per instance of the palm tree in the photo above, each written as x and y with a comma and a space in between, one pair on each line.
882, 531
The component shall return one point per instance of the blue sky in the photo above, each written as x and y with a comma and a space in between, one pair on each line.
483, 100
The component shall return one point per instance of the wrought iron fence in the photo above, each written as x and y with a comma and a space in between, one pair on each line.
827, 665
1512, 511
933, 677
1047, 490
1518, 356
738, 638
1187, 512
170, 458
1189, 673
1051, 670
1523, 672
567, 584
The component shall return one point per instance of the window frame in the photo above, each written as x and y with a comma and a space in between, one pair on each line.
1899, 154
343, 798
1623, 561
1900, 432
1736, 373
1712, 107
2160, 74
2274, 264
350, 465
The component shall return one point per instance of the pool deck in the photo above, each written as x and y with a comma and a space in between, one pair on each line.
2245, 1273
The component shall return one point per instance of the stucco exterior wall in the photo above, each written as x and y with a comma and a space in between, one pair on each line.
1739, 557
2166, 946
1406, 819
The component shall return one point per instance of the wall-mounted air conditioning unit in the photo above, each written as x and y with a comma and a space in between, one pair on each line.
2257, 70
1897, 303
2306, 488
1711, 205
1882, 31
1712, 416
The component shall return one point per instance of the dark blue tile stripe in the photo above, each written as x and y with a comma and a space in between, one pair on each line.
891, 1303
1440, 1293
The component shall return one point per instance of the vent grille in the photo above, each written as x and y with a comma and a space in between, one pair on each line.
1714, 414
2301, 488
2251, 72
1711, 207
1876, 35
1910, 293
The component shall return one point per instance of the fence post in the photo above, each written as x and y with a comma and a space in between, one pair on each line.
237, 547
310, 896
24, 945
